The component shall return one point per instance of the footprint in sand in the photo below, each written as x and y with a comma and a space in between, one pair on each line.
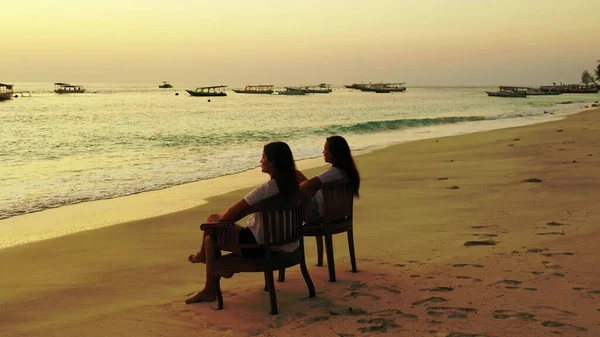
537, 272
389, 289
357, 285
553, 324
450, 312
316, 319
347, 311
394, 312
509, 282
554, 266
440, 289
554, 223
594, 292
480, 243
508, 314
486, 235
483, 226
466, 334
547, 310
414, 275
399, 265
534, 250
377, 325
552, 254
530, 289
356, 294
460, 265
551, 233
431, 300
558, 274
469, 278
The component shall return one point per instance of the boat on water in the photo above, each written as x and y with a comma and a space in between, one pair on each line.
322, 88
66, 88
256, 89
540, 92
6, 91
505, 91
529, 91
215, 90
165, 85
291, 91
390, 87
382, 87
571, 88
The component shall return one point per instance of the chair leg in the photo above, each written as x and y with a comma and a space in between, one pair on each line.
219, 294
319, 250
272, 296
281, 275
266, 283
330, 262
307, 279
351, 246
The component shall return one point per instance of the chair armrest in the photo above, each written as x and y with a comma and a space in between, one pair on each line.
215, 224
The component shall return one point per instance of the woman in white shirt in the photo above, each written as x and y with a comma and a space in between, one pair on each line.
278, 162
337, 152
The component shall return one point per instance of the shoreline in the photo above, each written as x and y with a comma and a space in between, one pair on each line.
417, 276
89, 215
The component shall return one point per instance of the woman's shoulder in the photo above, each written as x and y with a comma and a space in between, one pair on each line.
331, 174
262, 191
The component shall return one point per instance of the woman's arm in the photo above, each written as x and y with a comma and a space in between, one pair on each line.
310, 186
235, 211
300, 176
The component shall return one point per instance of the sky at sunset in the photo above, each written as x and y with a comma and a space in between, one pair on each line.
424, 42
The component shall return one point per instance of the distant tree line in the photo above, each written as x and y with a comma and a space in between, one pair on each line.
588, 78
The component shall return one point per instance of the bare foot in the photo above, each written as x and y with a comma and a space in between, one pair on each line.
197, 258
201, 297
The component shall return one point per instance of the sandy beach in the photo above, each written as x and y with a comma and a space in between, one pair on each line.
484, 234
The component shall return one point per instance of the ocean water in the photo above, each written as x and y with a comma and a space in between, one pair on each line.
122, 139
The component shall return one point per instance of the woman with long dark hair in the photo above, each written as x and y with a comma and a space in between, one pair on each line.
278, 162
337, 152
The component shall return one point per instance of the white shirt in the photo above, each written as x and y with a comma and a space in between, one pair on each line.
258, 194
329, 175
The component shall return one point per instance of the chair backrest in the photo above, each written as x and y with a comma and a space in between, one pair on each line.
338, 197
281, 218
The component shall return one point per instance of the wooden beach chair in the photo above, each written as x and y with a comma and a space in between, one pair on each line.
336, 218
282, 222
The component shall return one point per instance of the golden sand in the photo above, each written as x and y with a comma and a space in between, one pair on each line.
421, 202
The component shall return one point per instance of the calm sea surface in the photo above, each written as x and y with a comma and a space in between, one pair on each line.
120, 139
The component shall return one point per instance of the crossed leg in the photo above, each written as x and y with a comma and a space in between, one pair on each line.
206, 255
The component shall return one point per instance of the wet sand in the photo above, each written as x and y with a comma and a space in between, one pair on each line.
486, 234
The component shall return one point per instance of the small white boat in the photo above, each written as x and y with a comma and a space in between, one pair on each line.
66, 88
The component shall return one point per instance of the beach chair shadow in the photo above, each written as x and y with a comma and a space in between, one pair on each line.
282, 222
336, 218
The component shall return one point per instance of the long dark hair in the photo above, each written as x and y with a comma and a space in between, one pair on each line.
284, 167
342, 159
